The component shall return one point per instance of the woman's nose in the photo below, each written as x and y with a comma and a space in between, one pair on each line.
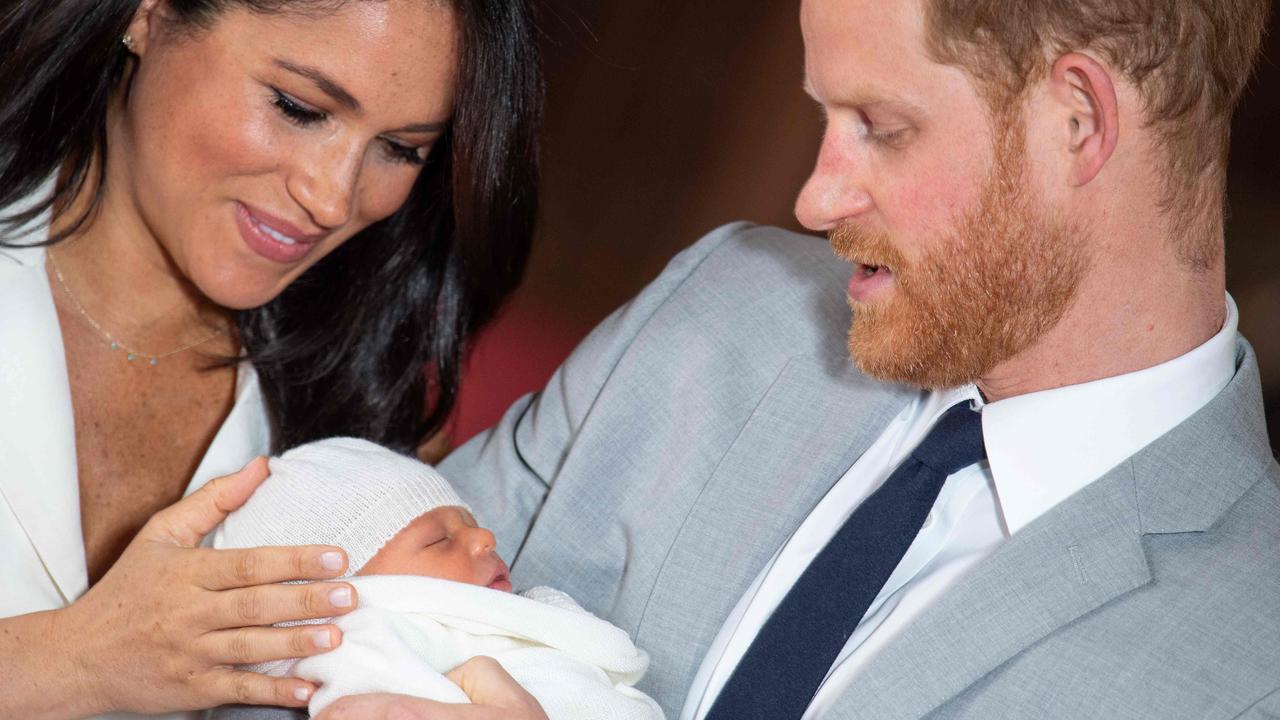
835, 191
324, 182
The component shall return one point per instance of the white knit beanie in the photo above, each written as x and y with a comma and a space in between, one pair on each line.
341, 491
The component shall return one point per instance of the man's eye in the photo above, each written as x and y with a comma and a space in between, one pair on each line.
295, 112
888, 137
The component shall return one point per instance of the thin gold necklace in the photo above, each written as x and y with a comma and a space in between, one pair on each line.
130, 354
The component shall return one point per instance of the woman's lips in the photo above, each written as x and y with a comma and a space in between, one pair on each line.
868, 282
272, 238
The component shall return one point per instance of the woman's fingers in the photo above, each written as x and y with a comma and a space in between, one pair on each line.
244, 646
238, 686
225, 569
270, 604
187, 521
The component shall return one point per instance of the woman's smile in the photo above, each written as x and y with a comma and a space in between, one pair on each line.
274, 239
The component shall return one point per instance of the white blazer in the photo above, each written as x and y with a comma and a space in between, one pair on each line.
41, 541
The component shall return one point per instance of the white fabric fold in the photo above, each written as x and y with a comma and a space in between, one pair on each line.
408, 631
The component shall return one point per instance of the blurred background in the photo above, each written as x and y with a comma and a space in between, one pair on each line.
667, 118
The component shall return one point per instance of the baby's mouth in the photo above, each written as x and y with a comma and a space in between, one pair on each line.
501, 581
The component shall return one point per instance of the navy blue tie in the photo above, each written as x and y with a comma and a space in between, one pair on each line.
793, 652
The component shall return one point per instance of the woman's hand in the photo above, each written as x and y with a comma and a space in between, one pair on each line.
494, 694
162, 629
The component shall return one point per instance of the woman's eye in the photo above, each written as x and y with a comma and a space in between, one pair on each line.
399, 152
296, 112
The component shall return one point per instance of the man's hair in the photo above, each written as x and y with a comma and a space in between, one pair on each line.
1189, 59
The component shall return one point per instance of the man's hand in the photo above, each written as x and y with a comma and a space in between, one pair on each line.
496, 696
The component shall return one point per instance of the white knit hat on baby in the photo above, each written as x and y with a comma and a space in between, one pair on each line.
341, 491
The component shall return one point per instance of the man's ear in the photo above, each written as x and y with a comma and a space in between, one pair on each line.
1083, 87
142, 28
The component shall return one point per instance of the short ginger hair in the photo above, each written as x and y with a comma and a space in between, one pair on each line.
1190, 60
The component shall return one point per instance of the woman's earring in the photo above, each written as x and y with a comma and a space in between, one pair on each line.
128, 42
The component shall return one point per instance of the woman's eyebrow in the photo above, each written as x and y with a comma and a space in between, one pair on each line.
333, 89
327, 85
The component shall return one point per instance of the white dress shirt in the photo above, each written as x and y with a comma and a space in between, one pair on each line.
1041, 447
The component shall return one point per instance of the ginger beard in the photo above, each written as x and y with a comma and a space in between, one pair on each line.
983, 293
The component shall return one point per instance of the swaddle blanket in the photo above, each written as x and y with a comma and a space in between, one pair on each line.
409, 630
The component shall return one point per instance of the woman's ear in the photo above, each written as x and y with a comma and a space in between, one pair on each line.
143, 26
1084, 90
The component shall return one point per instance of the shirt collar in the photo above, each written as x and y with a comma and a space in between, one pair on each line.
1043, 447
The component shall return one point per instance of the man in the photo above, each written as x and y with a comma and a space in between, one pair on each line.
1031, 197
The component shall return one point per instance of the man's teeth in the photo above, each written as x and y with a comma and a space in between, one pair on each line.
284, 239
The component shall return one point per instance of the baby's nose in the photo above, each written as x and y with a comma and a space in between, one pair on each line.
481, 541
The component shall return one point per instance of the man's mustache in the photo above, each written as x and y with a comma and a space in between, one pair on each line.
866, 247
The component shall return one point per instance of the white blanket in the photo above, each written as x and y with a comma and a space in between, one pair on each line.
410, 630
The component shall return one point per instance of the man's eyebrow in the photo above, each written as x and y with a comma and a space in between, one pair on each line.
327, 85
863, 97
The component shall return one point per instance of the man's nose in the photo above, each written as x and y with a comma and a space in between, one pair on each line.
836, 190
324, 182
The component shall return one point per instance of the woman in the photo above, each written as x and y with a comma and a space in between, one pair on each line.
337, 192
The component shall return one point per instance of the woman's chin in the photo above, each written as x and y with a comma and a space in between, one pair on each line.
240, 295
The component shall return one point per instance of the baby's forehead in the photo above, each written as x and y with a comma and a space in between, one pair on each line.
443, 515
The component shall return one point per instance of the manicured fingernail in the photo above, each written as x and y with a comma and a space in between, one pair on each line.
301, 694
331, 560
340, 597
320, 638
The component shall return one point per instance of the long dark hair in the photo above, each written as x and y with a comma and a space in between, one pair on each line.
370, 341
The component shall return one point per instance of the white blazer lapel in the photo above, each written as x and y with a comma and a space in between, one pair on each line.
38, 476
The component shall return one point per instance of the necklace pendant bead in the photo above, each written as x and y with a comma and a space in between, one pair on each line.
115, 345
154, 361
131, 357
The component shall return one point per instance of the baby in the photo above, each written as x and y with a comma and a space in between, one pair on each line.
433, 591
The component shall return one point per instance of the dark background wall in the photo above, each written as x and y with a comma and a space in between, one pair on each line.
667, 118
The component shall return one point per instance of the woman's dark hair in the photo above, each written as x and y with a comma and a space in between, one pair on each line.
370, 341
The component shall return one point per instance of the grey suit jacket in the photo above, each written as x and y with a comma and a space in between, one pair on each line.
694, 429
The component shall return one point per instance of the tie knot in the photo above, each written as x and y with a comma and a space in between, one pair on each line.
955, 442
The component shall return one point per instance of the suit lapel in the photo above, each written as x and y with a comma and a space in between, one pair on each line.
1069, 562
1081, 555
808, 429
38, 476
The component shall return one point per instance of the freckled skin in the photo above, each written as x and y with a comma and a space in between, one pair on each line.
1088, 162
444, 543
162, 262
202, 132
911, 190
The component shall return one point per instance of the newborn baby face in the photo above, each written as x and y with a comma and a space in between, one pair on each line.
444, 543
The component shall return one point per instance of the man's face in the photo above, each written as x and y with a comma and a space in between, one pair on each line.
959, 265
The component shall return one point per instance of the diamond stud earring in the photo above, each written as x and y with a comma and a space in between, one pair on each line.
128, 42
